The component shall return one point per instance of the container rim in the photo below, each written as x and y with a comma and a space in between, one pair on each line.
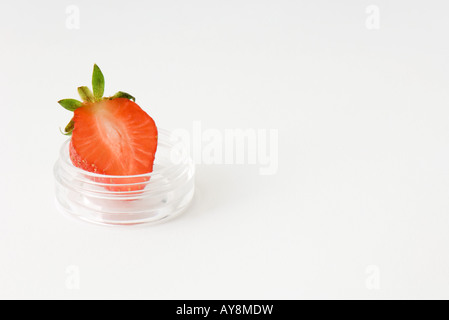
184, 159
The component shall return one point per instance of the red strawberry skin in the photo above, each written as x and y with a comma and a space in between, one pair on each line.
114, 137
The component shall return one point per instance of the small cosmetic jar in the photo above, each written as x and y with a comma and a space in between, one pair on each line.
128, 200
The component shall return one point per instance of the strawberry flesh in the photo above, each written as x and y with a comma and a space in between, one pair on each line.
114, 137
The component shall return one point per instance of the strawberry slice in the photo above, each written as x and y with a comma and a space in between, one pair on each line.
111, 136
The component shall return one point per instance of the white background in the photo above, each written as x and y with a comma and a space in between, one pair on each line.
362, 188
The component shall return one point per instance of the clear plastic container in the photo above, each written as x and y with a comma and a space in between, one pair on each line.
128, 200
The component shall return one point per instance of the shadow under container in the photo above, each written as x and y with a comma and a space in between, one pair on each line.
128, 200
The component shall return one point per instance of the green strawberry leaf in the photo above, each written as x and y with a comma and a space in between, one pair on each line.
97, 83
122, 94
86, 94
68, 129
70, 104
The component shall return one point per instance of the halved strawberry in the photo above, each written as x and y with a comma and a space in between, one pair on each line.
111, 136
